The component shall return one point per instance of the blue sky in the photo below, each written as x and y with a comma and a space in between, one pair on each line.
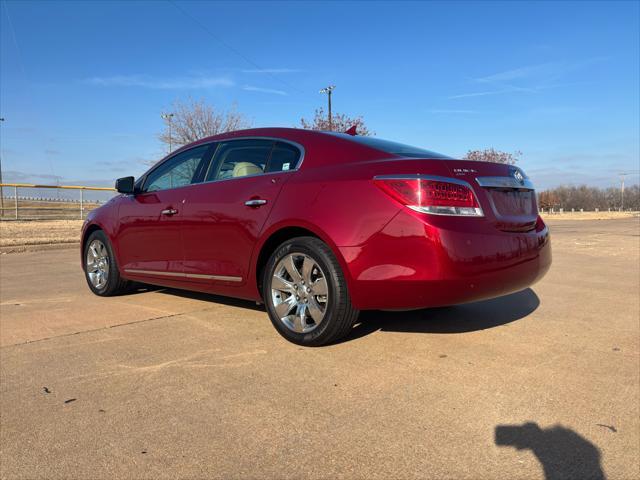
83, 84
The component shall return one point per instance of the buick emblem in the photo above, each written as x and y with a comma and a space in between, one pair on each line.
517, 174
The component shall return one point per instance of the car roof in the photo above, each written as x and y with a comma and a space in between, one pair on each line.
320, 148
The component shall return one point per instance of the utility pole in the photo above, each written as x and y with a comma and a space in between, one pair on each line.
328, 91
622, 175
169, 117
1, 192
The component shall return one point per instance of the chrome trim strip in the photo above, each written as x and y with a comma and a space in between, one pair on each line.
153, 272
420, 176
222, 278
504, 182
477, 212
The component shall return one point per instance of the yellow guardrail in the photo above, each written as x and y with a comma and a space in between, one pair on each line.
16, 186
67, 187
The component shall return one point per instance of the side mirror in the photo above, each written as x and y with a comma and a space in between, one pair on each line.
125, 185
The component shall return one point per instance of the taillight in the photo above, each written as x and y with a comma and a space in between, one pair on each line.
434, 195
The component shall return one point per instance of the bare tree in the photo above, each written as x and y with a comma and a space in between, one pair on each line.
548, 199
339, 122
589, 198
493, 155
195, 119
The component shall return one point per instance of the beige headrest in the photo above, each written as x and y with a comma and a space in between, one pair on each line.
242, 169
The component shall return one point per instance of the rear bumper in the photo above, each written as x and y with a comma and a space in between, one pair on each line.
418, 261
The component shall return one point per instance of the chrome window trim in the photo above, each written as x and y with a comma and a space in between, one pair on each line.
224, 278
504, 182
276, 139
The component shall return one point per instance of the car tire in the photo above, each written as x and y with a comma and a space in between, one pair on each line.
101, 268
305, 293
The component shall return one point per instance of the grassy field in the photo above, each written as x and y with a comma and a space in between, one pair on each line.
44, 210
25, 235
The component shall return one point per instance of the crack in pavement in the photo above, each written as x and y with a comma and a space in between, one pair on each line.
108, 327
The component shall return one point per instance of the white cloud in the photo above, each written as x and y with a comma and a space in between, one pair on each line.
451, 111
522, 72
529, 78
145, 81
251, 88
482, 94
272, 70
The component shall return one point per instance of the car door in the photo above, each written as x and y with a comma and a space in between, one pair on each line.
149, 239
225, 214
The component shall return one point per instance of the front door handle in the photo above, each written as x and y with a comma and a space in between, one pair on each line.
169, 211
255, 202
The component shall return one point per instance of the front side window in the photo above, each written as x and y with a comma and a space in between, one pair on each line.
176, 172
284, 157
240, 158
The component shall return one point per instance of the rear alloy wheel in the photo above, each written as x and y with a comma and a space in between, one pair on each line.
306, 294
100, 267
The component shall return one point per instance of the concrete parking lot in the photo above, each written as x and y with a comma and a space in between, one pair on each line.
543, 383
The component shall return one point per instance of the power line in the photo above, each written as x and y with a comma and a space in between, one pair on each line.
231, 47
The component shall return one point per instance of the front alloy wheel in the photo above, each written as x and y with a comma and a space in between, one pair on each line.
101, 268
97, 264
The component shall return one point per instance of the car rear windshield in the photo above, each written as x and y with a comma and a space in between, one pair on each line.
390, 147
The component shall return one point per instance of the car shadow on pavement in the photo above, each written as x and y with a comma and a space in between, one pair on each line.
209, 297
562, 452
465, 318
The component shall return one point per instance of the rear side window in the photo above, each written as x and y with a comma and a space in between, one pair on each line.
284, 157
176, 172
240, 158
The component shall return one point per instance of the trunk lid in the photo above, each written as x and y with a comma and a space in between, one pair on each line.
504, 191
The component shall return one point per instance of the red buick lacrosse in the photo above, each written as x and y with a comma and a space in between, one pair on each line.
318, 226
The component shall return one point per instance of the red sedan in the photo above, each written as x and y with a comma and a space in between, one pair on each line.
318, 226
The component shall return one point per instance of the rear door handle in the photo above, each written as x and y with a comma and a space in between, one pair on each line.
169, 211
256, 202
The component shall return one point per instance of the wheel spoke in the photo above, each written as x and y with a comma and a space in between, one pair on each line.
292, 270
284, 307
307, 268
315, 311
279, 283
94, 252
320, 286
299, 321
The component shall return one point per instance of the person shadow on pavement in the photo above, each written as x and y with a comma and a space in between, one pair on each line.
562, 452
